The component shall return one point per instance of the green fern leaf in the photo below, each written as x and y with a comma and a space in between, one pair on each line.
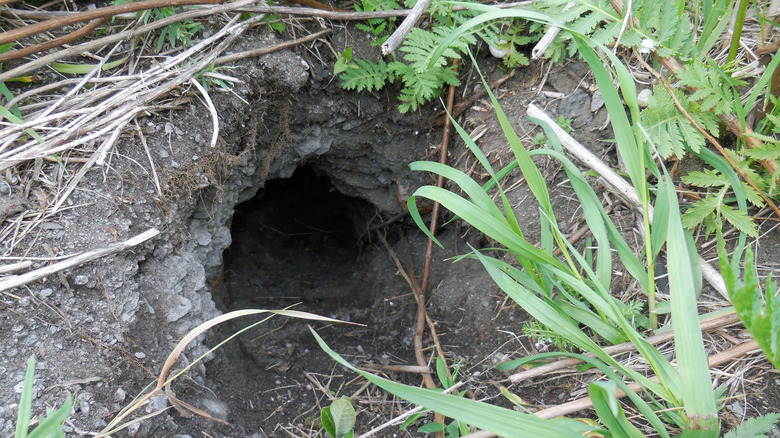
699, 211
769, 151
756, 427
420, 45
363, 75
669, 129
752, 195
707, 178
740, 220
420, 87
714, 87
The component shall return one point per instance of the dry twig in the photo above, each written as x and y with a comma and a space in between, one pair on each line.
19, 280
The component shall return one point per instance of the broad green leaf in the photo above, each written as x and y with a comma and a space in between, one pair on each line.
696, 385
343, 415
431, 428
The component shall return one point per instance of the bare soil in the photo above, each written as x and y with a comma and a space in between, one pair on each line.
287, 210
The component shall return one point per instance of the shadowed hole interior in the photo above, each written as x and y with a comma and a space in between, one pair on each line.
298, 240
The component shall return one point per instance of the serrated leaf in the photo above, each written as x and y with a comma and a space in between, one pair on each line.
366, 76
420, 45
670, 131
740, 220
707, 178
752, 195
756, 427
770, 151
760, 314
699, 210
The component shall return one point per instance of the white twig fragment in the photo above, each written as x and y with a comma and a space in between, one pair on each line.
544, 43
406, 26
618, 185
212, 110
19, 280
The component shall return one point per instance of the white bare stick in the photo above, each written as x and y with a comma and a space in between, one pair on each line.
149, 156
7, 269
212, 110
19, 280
406, 26
544, 43
618, 185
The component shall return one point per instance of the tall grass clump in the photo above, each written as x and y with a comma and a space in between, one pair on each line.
570, 294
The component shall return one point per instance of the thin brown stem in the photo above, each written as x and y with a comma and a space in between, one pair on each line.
56, 23
710, 138
57, 42
445, 140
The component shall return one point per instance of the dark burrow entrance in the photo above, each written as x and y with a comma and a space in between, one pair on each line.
300, 242
297, 241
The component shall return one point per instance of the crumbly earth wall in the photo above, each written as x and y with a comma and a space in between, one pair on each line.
101, 331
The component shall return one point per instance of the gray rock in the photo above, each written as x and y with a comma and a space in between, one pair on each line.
119, 395
158, 403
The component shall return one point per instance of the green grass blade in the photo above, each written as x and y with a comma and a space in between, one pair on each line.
646, 410
53, 423
473, 190
480, 219
696, 385
609, 411
501, 421
81, 69
591, 210
25, 404
477, 152
554, 318
591, 320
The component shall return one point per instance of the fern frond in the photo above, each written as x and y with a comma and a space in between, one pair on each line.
700, 210
714, 87
669, 129
706, 179
756, 427
769, 151
363, 75
420, 87
420, 45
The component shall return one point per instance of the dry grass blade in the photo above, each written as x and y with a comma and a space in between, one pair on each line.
19, 280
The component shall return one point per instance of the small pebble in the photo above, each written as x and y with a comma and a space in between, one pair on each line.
52, 226
644, 97
119, 395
